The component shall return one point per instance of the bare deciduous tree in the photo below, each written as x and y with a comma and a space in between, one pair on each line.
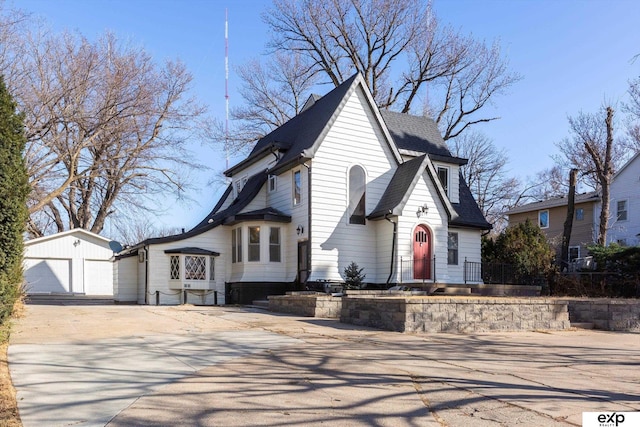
106, 127
135, 230
487, 176
591, 150
632, 108
375, 37
549, 183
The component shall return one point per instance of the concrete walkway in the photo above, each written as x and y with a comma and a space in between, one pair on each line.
212, 366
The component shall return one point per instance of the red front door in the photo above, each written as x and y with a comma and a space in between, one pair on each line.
421, 253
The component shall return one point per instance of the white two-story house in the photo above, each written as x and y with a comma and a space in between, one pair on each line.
340, 182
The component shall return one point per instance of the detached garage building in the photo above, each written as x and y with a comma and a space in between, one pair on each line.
74, 261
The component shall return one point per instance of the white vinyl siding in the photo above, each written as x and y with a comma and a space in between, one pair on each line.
351, 140
625, 187
217, 240
453, 177
275, 245
76, 261
435, 219
125, 280
469, 249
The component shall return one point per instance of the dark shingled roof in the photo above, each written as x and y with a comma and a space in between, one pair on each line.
192, 251
216, 208
267, 214
415, 133
592, 196
248, 193
302, 131
402, 180
469, 214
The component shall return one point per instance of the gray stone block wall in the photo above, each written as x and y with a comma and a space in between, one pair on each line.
406, 312
606, 314
307, 305
465, 315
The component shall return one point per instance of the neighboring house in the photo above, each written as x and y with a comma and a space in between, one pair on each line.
624, 214
624, 208
340, 182
74, 262
550, 215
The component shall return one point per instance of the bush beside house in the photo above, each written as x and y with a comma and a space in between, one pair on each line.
14, 188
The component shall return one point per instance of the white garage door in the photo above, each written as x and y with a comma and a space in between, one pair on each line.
98, 277
47, 275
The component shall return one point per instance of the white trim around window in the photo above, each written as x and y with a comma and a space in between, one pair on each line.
273, 183
356, 194
622, 210
190, 267
543, 218
444, 175
296, 187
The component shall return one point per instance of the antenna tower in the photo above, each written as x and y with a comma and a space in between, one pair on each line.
226, 85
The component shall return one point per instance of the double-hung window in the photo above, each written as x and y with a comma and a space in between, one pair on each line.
236, 245
274, 244
254, 244
543, 219
621, 210
443, 175
574, 253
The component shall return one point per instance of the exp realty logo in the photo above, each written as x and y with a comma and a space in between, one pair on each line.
610, 419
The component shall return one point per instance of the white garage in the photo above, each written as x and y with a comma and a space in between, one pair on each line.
73, 262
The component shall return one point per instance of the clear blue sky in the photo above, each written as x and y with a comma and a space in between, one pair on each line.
573, 55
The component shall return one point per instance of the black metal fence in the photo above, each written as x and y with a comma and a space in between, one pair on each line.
499, 273
474, 272
425, 268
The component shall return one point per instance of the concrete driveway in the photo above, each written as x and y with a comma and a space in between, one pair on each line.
226, 366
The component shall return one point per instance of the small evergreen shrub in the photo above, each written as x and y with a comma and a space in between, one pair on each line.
353, 277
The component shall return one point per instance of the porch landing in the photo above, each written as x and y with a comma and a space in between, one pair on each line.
475, 289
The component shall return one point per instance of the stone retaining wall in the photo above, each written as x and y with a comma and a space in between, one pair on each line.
607, 314
309, 304
455, 314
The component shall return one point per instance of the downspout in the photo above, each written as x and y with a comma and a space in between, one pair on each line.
146, 274
393, 246
308, 219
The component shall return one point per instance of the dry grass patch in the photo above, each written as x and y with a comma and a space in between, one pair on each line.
9, 416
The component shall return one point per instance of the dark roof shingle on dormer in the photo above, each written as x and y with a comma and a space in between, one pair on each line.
415, 133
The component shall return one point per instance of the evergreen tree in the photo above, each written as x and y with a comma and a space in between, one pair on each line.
353, 277
14, 188
525, 247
